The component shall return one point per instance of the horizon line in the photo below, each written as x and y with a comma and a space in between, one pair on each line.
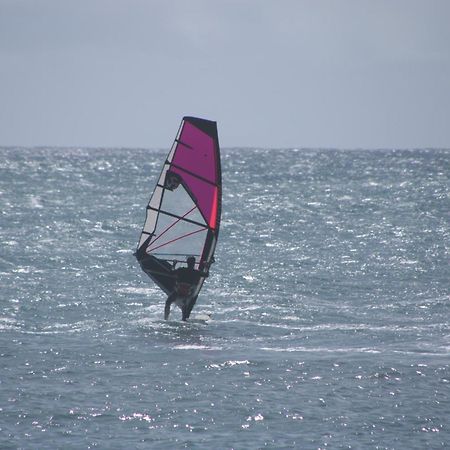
231, 148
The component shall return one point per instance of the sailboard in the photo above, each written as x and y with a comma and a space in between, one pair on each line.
183, 214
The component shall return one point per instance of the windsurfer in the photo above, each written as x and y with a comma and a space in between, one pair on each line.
186, 278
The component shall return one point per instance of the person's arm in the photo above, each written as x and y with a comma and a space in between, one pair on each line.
208, 265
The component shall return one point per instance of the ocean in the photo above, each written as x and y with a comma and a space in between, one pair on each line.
329, 303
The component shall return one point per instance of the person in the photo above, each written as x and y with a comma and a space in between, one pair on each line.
186, 278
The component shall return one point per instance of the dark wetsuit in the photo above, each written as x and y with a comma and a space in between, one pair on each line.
186, 280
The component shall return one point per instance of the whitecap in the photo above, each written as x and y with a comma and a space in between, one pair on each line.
35, 202
196, 347
230, 363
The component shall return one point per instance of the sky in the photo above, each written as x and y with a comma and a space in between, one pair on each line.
272, 73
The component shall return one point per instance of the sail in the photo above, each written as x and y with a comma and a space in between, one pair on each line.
183, 214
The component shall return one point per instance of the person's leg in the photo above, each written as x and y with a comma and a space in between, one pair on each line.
184, 309
170, 299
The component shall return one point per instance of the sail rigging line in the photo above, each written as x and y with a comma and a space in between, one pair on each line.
173, 224
175, 254
161, 211
177, 239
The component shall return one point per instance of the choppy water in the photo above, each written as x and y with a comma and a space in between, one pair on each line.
330, 303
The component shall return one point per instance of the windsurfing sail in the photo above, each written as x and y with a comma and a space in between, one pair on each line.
183, 214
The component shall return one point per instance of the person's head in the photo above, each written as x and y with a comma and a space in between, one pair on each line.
190, 262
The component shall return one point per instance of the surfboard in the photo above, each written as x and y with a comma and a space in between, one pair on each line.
183, 214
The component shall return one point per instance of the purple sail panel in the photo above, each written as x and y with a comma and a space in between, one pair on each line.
195, 161
196, 153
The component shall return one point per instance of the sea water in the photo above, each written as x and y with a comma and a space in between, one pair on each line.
329, 303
